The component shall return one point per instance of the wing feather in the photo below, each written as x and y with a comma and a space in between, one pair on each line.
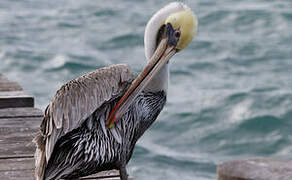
79, 98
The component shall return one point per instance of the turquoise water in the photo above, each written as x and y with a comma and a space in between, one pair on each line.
230, 92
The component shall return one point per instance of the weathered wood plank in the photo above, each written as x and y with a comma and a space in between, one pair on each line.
13, 93
20, 112
13, 169
16, 164
255, 169
16, 135
10, 86
13, 99
16, 175
6, 85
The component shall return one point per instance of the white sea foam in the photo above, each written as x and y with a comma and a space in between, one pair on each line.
240, 111
56, 62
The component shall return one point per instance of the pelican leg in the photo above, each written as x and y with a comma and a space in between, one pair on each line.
123, 173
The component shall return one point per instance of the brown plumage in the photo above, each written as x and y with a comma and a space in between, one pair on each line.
74, 139
73, 103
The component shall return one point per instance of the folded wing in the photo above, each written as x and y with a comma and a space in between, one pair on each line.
74, 102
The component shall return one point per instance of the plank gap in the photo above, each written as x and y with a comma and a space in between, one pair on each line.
18, 156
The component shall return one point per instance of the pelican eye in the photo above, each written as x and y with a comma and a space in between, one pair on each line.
177, 33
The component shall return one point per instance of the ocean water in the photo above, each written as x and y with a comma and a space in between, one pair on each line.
230, 91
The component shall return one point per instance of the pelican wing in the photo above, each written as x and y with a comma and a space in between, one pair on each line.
79, 98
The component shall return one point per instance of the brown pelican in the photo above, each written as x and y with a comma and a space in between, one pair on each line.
94, 121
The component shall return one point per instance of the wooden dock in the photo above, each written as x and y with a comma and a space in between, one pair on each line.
19, 122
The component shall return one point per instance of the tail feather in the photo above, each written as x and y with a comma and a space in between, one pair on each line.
40, 157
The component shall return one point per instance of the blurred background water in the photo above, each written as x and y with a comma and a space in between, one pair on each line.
230, 92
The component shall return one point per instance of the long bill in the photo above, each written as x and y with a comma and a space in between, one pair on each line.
160, 57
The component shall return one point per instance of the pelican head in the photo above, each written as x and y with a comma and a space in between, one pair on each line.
169, 31
180, 17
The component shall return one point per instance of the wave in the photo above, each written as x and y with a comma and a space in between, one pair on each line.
123, 41
61, 62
